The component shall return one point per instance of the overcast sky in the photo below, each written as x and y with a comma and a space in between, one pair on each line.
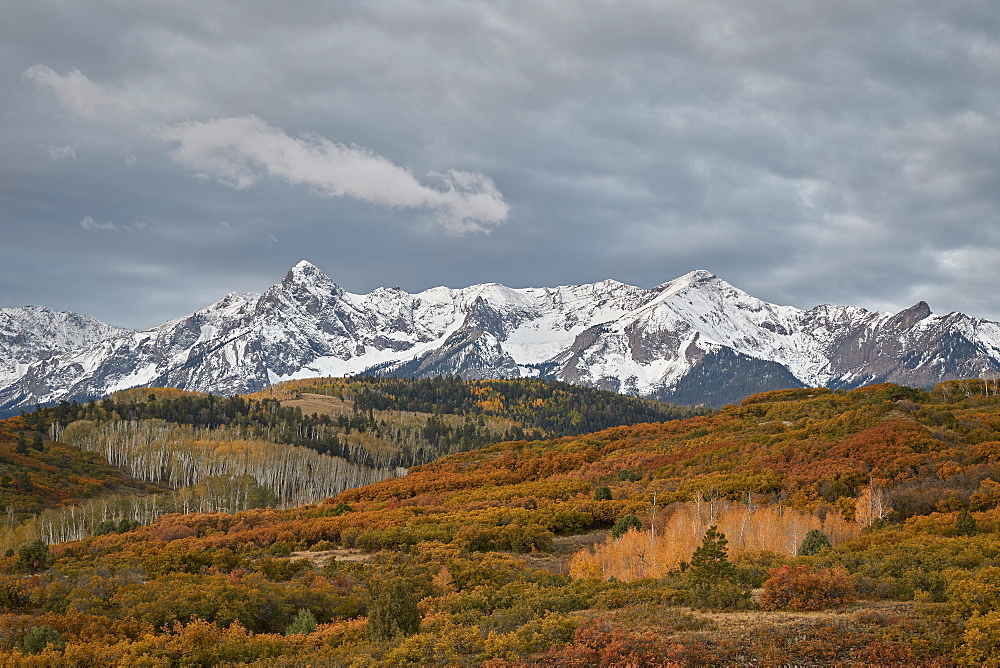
156, 155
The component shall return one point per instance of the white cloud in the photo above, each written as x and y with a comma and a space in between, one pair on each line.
76, 91
237, 151
58, 153
88, 223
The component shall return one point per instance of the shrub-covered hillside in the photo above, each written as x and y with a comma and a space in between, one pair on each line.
37, 472
807, 527
297, 443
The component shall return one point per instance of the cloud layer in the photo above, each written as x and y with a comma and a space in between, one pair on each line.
807, 151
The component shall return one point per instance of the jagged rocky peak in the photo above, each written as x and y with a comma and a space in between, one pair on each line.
909, 317
306, 284
306, 274
918, 311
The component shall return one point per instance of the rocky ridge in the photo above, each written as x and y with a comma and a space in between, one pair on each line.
695, 339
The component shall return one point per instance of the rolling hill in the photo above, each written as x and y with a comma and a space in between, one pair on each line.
503, 554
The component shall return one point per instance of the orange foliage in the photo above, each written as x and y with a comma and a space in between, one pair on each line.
805, 588
749, 530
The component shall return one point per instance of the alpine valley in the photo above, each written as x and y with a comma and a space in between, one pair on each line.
695, 339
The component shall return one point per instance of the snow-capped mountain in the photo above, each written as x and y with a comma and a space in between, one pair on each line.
32, 333
695, 339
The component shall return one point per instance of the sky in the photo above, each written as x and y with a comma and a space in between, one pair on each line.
155, 156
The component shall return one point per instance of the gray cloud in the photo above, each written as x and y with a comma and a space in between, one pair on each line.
806, 151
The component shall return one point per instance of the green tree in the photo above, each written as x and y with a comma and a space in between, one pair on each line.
710, 561
394, 611
33, 557
814, 541
303, 624
965, 524
602, 493
105, 527
624, 524
12, 597
715, 582
38, 442
38, 638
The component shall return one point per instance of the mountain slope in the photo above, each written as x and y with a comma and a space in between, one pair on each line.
694, 339
32, 333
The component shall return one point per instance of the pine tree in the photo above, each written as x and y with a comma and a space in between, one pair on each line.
965, 524
303, 624
33, 557
394, 611
38, 638
814, 541
624, 524
710, 561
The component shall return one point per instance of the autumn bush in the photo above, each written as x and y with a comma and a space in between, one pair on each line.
807, 588
12, 596
600, 643
981, 641
976, 592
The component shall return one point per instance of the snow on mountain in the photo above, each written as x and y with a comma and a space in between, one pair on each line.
32, 333
694, 339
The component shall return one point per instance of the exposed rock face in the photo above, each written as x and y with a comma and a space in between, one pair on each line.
695, 339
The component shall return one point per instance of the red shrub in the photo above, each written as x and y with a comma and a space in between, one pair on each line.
805, 588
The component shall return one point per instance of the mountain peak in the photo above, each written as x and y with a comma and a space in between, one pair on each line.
305, 268
661, 343
909, 317
698, 277
306, 273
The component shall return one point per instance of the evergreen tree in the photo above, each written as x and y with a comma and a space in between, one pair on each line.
394, 611
624, 524
303, 624
710, 561
602, 493
38, 638
33, 557
965, 524
814, 541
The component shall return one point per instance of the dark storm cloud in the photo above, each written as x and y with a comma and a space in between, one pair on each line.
158, 155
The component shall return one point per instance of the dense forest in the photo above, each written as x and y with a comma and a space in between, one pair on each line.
447, 414
801, 527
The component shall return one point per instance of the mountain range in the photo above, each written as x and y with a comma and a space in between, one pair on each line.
695, 339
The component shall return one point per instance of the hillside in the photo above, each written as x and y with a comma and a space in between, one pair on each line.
37, 473
165, 450
503, 554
